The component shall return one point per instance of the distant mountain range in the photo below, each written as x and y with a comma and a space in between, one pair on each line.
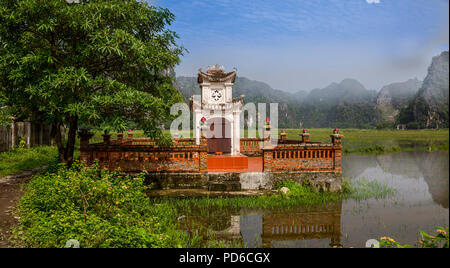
349, 104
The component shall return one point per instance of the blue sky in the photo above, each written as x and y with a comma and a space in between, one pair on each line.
304, 44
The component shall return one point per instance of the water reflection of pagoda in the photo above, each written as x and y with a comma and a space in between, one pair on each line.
264, 228
320, 223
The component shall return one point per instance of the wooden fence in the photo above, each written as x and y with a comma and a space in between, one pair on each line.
30, 132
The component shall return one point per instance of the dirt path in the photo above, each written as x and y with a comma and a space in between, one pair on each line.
10, 192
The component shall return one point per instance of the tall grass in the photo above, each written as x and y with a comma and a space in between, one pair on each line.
298, 195
363, 189
22, 159
371, 140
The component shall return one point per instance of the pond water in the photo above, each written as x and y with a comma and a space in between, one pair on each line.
421, 203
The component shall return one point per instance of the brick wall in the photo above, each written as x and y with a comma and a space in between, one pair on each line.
136, 155
303, 158
184, 156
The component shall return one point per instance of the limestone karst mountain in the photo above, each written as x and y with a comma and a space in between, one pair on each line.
429, 108
396, 96
347, 91
345, 104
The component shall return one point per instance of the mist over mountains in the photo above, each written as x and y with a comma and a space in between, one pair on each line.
348, 104
395, 97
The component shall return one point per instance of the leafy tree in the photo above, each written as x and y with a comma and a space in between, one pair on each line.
92, 62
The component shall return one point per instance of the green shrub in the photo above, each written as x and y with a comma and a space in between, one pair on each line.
96, 207
297, 190
384, 125
413, 125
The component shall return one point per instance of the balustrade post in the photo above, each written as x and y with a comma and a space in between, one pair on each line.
85, 136
120, 136
305, 136
336, 137
106, 137
283, 135
267, 160
203, 162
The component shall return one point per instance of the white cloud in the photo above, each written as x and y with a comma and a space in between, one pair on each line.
373, 1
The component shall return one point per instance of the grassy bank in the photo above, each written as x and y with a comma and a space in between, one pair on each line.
23, 159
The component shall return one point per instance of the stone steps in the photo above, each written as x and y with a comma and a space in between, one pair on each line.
231, 186
224, 182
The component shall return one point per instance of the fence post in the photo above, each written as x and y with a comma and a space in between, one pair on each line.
13, 134
41, 134
27, 126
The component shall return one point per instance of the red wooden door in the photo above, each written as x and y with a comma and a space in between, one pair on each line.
220, 135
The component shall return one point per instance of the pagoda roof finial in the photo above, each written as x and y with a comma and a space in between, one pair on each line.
215, 68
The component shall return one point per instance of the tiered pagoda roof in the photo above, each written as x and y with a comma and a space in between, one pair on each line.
216, 73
